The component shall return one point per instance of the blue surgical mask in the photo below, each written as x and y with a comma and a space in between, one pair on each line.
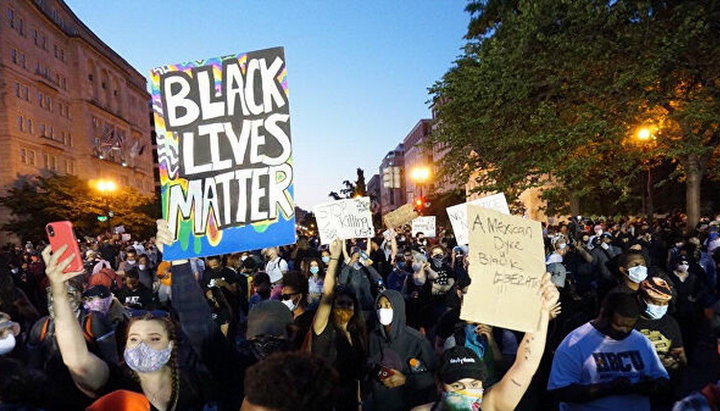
637, 274
325, 259
463, 400
314, 270
656, 312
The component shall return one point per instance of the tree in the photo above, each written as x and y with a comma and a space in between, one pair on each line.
35, 201
552, 92
351, 189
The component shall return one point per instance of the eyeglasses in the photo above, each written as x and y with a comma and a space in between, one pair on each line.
286, 297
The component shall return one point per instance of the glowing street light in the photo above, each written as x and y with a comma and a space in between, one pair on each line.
106, 186
420, 174
644, 134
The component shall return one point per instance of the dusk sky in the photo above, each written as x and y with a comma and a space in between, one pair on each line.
358, 71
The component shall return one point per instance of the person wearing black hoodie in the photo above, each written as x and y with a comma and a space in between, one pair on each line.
401, 359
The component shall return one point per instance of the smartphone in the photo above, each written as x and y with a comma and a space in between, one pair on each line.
61, 233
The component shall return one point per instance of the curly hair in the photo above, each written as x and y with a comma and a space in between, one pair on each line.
307, 383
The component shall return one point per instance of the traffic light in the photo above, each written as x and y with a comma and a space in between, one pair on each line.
421, 204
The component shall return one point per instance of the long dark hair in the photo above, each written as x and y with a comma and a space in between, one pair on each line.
171, 329
356, 325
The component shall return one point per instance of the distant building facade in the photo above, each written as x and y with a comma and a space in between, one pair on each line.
417, 155
69, 104
392, 188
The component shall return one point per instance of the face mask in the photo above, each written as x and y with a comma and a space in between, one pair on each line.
7, 344
598, 232
343, 315
131, 262
385, 315
98, 304
683, 268
143, 358
637, 274
314, 270
604, 246
438, 258
15, 270
142, 266
463, 400
290, 304
562, 246
656, 312
325, 259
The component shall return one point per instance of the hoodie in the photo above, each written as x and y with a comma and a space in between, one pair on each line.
395, 349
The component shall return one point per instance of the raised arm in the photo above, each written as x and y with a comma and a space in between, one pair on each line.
507, 393
89, 372
322, 315
346, 256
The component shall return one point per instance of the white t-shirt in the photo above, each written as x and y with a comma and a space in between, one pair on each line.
587, 356
275, 269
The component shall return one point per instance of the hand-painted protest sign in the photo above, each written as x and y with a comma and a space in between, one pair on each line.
458, 214
507, 264
344, 219
400, 216
225, 153
425, 225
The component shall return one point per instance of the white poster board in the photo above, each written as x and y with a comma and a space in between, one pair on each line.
507, 265
344, 219
458, 214
425, 225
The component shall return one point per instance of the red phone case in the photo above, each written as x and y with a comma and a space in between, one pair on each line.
61, 233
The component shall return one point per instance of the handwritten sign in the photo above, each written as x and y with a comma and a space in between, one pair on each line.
344, 219
225, 153
425, 225
458, 214
507, 264
400, 216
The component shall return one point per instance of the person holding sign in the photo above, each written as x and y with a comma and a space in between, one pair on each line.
463, 377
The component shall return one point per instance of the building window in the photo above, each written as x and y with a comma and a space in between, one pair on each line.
21, 26
21, 123
69, 139
17, 90
54, 164
22, 60
90, 77
42, 130
11, 18
31, 157
14, 56
46, 161
23, 156
29, 126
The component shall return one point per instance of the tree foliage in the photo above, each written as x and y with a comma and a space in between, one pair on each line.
34, 201
351, 189
550, 93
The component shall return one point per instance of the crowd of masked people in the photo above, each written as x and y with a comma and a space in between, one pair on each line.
630, 313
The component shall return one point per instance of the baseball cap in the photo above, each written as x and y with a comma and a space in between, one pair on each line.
97, 291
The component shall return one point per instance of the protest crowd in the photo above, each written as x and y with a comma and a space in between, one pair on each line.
629, 315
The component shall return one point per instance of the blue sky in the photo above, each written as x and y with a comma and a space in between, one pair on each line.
358, 71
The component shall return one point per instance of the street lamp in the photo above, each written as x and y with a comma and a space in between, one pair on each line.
646, 136
420, 175
106, 188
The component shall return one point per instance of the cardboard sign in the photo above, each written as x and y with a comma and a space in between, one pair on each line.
507, 264
344, 219
119, 229
458, 214
400, 216
425, 225
225, 153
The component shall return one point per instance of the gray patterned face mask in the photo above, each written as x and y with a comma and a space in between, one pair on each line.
144, 358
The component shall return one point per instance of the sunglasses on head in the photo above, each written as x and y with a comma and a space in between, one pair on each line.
151, 313
286, 297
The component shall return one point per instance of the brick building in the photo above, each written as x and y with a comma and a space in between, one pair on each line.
417, 155
392, 187
69, 104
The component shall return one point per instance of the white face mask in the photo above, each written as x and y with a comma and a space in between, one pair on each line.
562, 246
656, 312
385, 315
7, 344
683, 268
142, 266
290, 304
637, 274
